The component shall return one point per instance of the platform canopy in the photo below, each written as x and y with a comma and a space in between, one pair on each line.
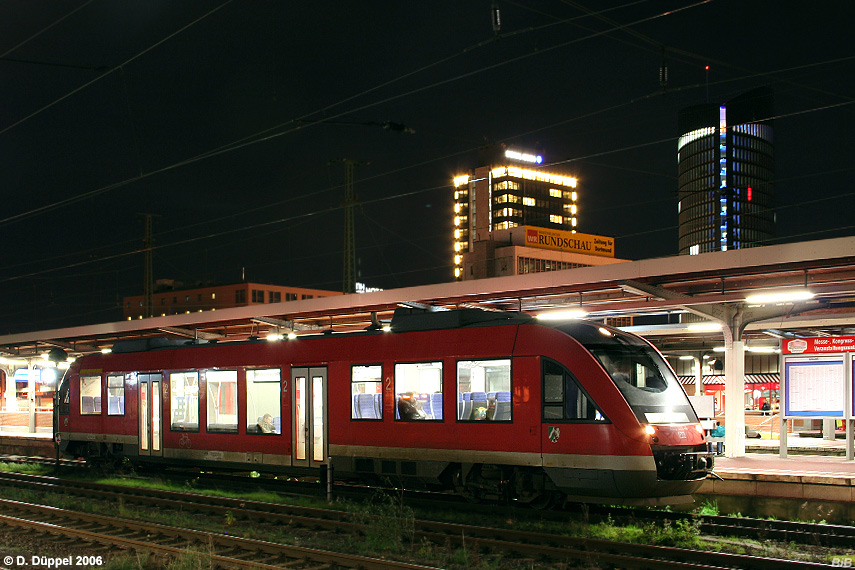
675, 290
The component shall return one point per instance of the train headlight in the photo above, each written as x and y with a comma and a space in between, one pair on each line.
700, 429
651, 431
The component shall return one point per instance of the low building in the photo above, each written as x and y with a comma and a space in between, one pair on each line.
530, 249
172, 299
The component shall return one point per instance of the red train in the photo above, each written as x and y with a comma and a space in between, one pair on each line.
489, 404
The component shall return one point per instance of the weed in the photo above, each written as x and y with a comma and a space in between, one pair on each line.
135, 561
709, 508
230, 521
192, 559
683, 534
387, 524
31, 468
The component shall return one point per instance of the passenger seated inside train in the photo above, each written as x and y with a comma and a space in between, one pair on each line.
265, 424
409, 408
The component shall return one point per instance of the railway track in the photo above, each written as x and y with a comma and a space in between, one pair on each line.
529, 545
826, 535
743, 527
168, 542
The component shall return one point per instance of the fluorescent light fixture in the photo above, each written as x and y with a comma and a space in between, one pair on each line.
562, 315
707, 326
292, 335
763, 349
106, 350
274, 337
687, 357
786, 297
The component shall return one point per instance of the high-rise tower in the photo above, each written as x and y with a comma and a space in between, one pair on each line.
512, 216
726, 164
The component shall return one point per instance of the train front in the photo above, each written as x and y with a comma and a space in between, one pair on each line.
666, 420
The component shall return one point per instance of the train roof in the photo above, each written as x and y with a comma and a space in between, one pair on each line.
410, 319
403, 320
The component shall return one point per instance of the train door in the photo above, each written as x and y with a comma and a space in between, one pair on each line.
151, 407
309, 428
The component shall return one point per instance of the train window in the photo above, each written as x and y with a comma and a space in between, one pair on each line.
484, 390
184, 400
263, 401
366, 392
90, 395
222, 401
563, 397
418, 390
115, 394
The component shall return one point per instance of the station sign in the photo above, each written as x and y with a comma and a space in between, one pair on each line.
819, 345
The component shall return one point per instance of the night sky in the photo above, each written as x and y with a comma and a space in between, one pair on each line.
228, 121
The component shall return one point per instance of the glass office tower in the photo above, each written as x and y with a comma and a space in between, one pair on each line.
726, 164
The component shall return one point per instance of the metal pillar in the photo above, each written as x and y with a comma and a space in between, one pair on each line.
148, 278
31, 395
734, 392
349, 278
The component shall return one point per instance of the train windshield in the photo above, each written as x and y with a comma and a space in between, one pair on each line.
641, 374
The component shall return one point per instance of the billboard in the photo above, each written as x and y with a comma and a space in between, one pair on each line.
570, 242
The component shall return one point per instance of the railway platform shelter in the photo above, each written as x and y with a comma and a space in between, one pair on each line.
714, 287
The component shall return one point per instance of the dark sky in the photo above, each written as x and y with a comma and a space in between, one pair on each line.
227, 121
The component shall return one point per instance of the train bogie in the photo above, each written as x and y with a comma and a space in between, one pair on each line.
491, 405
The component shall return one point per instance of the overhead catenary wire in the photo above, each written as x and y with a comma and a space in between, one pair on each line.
262, 137
615, 150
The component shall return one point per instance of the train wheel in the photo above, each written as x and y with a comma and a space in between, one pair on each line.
470, 493
545, 500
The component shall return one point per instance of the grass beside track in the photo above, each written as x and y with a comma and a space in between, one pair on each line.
387, 525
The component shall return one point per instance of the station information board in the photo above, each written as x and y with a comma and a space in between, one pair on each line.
818, 377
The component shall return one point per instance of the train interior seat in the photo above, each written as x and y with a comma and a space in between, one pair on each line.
378, 405
115, 406
365, 407
87, 405
425, 404
479, 406
97, 402
503, 406
464, 405
436, 405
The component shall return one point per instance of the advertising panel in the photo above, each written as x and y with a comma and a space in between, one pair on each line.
571, 242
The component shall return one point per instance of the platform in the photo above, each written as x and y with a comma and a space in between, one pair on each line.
814, 482
28, 444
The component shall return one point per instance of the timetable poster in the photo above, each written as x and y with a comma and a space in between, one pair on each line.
815, 387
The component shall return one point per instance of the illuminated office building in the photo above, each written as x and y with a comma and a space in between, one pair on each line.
726, 164
513, 216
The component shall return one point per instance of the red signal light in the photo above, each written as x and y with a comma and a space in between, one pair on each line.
748, 193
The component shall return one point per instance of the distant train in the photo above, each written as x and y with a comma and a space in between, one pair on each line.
488, 404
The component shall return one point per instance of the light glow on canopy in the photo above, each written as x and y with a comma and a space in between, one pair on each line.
786, 297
